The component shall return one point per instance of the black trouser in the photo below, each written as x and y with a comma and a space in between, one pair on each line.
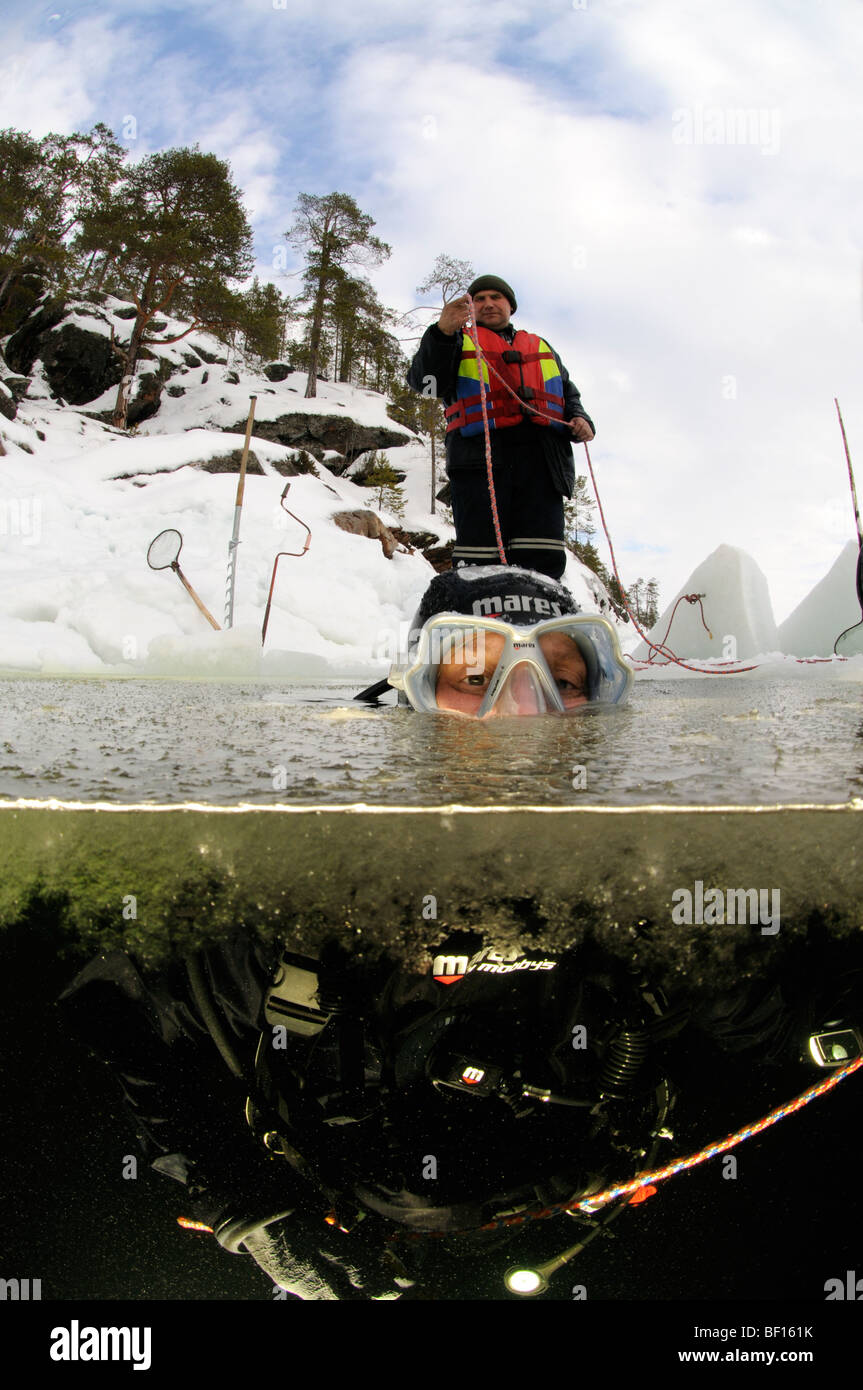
530, 510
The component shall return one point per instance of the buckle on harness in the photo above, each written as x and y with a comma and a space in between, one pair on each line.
511, 355
526, 393
837, 1047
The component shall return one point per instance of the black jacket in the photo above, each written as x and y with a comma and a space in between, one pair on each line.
438, 357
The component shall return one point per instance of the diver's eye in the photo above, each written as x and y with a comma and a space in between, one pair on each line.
477, 680
569, 687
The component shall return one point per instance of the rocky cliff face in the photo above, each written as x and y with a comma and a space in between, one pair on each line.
62, 350
320, 434
71, 341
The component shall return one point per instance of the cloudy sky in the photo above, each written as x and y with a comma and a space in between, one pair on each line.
672, 187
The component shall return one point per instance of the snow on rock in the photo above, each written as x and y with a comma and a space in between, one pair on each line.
414, 460
736, 606
80, 503
826, 610
66, 346
76, 592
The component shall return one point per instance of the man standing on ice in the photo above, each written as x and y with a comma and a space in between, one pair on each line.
531, 457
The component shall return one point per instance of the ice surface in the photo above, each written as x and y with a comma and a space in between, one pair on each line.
736, 606
826, 611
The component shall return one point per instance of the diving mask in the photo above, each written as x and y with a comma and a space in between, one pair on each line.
483, 667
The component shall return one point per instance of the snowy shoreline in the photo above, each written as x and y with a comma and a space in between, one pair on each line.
80, 503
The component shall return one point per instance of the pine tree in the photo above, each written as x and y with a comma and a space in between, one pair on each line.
405, 407
333, 233
434, 425
48, 188
651, 606
380, 474
643, 599
578, 513
180, 231
448, 275
617, 596
266, 314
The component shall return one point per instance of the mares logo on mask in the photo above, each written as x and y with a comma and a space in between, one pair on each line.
496, 605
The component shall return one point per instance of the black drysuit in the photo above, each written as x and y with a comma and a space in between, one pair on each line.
189, 1111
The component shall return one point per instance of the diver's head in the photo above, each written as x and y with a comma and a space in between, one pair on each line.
499, 640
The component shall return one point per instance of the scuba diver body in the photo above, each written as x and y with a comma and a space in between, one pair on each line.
361, 1128
358, 1125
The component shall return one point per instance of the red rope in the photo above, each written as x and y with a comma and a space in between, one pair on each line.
680, 1165
657, 648
642, 1180
690, 598
480, 363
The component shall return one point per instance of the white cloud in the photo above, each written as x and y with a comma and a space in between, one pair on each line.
705, 294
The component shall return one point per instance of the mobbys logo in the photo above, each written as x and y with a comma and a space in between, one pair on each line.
448, 970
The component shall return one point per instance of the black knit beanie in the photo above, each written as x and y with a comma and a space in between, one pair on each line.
496, 591
492, 282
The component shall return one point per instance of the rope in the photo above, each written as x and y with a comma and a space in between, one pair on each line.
492, 371
480, 363
859, 571
690, 598
656, 648
670, 1170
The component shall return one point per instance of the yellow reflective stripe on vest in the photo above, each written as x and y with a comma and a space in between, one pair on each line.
469, 365
548, 364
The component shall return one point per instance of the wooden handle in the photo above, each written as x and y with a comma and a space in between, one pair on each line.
242, 483
204, 609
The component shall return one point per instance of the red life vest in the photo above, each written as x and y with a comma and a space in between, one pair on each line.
528, 366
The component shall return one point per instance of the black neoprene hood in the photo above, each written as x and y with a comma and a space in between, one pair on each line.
496, 591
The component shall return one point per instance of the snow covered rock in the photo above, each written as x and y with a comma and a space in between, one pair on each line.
79, 363
73, 343
17, 387
322, 433
23, 346
737, 608
67, 344
826, 610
